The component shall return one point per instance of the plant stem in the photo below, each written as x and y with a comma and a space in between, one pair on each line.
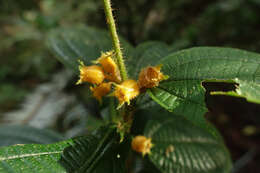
116, 44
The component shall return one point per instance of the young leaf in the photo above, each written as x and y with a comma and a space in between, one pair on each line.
81, 43
179, 146
31, 158
183, 93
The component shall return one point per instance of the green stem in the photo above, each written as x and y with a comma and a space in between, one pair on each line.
112, 27
112, 110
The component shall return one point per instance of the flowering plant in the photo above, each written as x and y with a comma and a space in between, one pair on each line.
155, 101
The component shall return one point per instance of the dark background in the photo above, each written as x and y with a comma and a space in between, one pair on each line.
26, 64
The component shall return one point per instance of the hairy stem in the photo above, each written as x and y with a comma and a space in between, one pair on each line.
116, 44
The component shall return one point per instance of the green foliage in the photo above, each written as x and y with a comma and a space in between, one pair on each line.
183, 93
179, 146
171, 114
94, 153
81, 43
244, 89
32, 158
148, 53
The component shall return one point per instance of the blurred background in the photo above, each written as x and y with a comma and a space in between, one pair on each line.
36, 90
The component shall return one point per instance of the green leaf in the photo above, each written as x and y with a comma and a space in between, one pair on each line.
156, 112
180, 146
97, 153
94, 153
145, 54
81, 43
115, 159
183, 93
31, 158
247, 90
18, 134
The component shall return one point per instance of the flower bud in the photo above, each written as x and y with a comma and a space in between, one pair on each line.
150, 77
126, 91
142, 144
110, 67
92, 74
101, 90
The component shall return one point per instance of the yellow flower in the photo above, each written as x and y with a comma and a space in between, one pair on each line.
109, 66
101, 90
126, 91
92, 74
142, 144
150, 77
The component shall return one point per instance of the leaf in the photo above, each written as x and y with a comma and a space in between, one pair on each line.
18, 134
156, 112
183, 93
97, 153
247, 90
145, 54
115, 160
180, 146
94, 153
31, 158
142, 165
81, 43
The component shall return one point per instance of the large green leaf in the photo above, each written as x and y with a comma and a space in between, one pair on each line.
181, 147
81, 43
31, 158
156, 112
18, 134
97, 153
183, 93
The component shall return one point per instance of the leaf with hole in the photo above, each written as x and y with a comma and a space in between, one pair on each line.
183, 93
